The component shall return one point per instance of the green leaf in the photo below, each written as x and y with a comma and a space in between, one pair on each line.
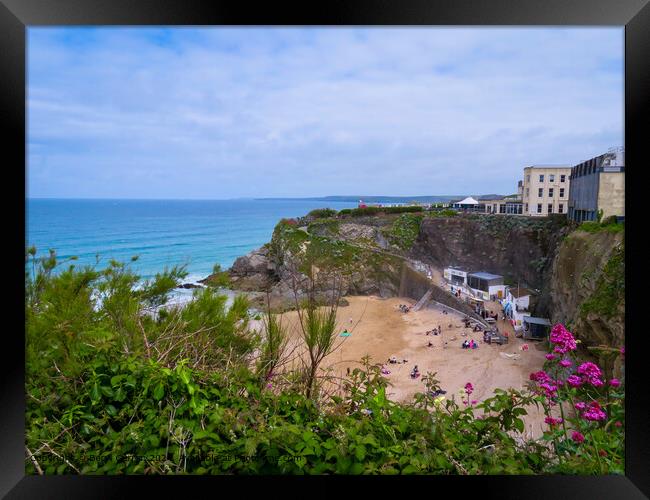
519, 424
94, 393
409, 469
159, 392
356, 468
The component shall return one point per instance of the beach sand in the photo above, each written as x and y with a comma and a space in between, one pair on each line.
379, 329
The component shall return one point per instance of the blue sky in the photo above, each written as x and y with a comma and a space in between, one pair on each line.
213, 113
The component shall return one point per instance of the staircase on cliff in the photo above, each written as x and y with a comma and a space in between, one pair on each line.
425, 298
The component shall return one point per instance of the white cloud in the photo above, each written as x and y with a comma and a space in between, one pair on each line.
218, 113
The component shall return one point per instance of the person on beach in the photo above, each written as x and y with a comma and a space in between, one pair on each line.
415, 373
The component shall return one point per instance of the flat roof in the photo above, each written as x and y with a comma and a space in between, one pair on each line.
522, 292
549, 166
486, 276
537, 321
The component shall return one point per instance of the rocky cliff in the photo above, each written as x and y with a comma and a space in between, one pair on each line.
579, 273
586, 288
519, 248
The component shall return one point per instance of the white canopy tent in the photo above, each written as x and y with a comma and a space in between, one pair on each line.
467, 201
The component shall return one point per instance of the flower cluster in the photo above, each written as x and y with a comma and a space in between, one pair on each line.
552, 421
469, 388
545, 382
591, 374
563, 339
574, 381
592, 412
540, 377
577, 437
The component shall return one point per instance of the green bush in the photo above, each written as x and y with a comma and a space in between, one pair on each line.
596, 227
113, 389
447, 212
322, 213
218, 278
360, 212
404, 230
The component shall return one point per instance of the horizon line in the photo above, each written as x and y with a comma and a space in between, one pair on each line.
243, 197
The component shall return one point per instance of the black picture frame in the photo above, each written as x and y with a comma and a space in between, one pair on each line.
17, 15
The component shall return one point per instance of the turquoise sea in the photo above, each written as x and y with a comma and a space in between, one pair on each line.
198, 233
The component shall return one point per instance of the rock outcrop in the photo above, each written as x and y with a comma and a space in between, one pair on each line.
519, 248
587, 288
579, 274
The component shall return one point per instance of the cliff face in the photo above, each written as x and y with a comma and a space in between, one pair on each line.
518, 248
587, 288
580, 274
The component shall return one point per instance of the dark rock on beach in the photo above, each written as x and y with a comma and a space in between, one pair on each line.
189, 285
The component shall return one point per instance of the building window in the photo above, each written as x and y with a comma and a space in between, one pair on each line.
541, 178
551, 177
550, 208
540, 192
539, 208
502, 209
526, 209
550, 193
527, 192
561, 192
560, 208
562, 178
527, 179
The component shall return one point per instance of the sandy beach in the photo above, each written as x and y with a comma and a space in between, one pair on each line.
380, 330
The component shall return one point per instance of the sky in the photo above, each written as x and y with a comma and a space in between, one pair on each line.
220, 113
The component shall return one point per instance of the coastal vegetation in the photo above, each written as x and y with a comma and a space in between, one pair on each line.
609, 225
359, 212
404, 230
610, 287
117, 382
219, 278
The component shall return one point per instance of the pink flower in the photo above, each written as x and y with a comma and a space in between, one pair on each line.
469, 388
623, 350
580, 406
594, 413
552, 421
268, 386
551, 390
615, 382
590, 373
618, 424
562, 338
574, 381
474, 401
550, 357
577, 437
565, 363
540, 376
